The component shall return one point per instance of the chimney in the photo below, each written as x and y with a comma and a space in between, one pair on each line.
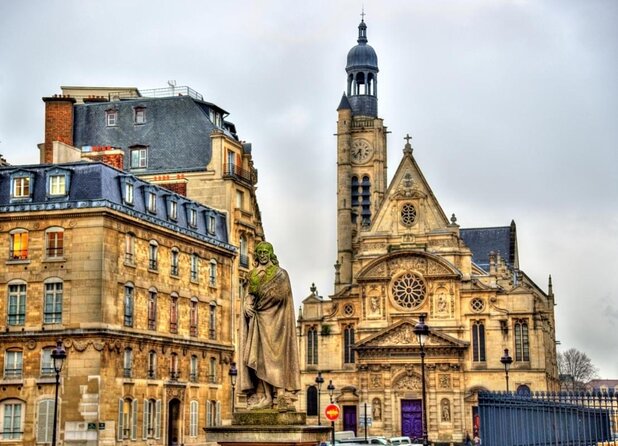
58, 124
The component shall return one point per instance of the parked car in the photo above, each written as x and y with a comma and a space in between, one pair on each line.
361, 440
400, 440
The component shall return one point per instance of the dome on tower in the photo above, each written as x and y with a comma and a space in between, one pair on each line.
362, 56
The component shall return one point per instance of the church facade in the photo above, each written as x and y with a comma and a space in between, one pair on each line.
400, 257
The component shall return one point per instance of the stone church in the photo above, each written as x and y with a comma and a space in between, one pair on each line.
400, 256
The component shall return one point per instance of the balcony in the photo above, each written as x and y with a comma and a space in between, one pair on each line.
13, 373
152, 264
231, 170
174, 270
174, 375
193, 377
127, 372
151, 374
171, 91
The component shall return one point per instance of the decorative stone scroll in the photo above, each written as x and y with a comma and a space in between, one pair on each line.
408, 382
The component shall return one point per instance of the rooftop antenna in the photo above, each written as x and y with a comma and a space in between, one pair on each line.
171, 83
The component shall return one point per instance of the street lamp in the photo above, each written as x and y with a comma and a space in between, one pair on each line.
233, 375
507, 361
421, 330
58, 355
319, 381
331, 391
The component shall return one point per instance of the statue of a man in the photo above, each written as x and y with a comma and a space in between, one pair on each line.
270, 355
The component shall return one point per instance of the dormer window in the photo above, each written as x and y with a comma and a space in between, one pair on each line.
22, 185
58, 182
172, 208
139, 116
152, 202
111, 118
139, 157
128, 189
211, 223
192, 216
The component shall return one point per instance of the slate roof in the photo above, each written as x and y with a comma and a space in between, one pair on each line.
176, 131
94, 185
482, 241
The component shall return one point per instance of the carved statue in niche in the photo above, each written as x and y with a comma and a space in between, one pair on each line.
442, 302
445, 410
408, 383
376, 408
374, 304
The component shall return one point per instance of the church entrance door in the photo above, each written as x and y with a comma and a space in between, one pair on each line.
412, 418
349, 418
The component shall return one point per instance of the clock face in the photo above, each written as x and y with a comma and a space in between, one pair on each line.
361, 151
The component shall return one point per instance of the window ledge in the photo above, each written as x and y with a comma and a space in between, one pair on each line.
18, 262
195, 282
153, 271
12, 382
130, 265
46, 379
54, 260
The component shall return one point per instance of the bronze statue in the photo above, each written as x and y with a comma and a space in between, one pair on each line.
270, 366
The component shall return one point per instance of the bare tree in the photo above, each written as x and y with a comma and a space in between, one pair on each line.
576, 368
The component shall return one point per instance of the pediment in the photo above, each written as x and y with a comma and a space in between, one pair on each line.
401, 336
423, 263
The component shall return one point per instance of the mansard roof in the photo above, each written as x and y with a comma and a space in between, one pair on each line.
176, 131
501, 240
97, 185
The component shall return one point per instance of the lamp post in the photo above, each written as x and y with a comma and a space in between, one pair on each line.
507, 361
319, 381
331, 391
421, 330
233, 375
58, 355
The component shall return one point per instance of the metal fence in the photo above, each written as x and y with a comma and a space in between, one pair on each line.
549, 419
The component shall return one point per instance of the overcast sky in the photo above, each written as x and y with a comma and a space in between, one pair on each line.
513, 106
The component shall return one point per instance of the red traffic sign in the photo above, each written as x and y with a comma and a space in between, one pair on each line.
332, 412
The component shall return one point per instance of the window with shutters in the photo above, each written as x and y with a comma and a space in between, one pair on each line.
213, 413
193, 417
127, 419
151, 416
52, 306
174, 373
11, 419
522, 346
44, 421
478, 341
153, 255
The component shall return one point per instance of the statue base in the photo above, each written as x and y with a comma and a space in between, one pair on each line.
268, 427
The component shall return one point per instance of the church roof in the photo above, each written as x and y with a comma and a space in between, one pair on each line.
362, 56
344, 104
501, 240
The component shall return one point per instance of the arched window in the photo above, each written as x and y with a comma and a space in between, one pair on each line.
193, 317
312, 346
523, 390
174, 262
52, 302
16, 308
18, 244
174, 313
44, 421
522, 346
193, 416
355, 196
129, 303
312, 401
195, 267
54, 243
153, 255
348, 343
366, 201
478, 341
213, 273
152, 309
152, 419
11, 419
152, 364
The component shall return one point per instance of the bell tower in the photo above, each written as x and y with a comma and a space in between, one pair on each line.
361, 154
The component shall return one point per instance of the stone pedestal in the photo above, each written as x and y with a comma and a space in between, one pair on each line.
268, 427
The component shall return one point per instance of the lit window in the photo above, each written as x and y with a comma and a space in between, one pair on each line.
195, 267
47, 362
45, 419
312, 346
129, 301
11, 420
478, 341
152, 364
152, 309
174, 313
128, 363
174, 265
57, 185
128, 193
13, 365
139, 158
212, 321
193, 317
18, 249
16, 311
348, 344
55, 242
522, 346
129, 248
152, 202
127, 419
52, 308
140, 115
193, 369
111, 118
153, 252
213, 273
21, 187
193, 415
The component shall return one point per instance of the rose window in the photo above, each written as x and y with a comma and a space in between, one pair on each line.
477, 304
409, 291
348, 310
408, 214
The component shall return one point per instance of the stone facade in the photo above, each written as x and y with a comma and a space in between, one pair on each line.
399, 256
139, 297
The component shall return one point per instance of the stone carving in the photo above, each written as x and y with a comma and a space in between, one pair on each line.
445, 410
31, 344
404, 335
444, 381
375, 380
441, 302
408, 383
434, 268
175, 392
270, 366
376, 409
374, 304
